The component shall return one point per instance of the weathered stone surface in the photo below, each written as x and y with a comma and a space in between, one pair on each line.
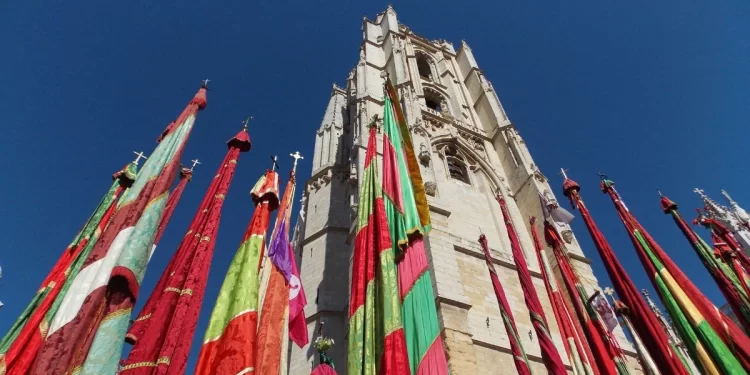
470, 151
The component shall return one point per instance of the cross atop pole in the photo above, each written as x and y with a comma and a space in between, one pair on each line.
610, 292
274, 164
246, 123
659, 191
139, 155
699, 192
602, 175
296, 155
195, 162
563, 172
205, 82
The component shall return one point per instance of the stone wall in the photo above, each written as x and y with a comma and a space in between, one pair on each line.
470, 128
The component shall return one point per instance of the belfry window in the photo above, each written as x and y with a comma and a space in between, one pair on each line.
457, 169
433, 100
423, 66
433, 104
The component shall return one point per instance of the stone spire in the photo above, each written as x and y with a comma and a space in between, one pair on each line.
328, 140
734, 219
738, 211
714, 208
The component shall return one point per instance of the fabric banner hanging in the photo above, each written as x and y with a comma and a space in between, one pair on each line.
604, 355
88, 331
230, 341
408, 226
729, 282
163, 331
717, 344
550, 356
27, 334
644, 321
377, 343
516, 348
575, 345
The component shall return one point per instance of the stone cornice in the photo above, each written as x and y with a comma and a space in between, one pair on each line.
429, 114
313, 236
507, 350
370, 98
317, 314
323, 176
500, 128
453, 302
506, 261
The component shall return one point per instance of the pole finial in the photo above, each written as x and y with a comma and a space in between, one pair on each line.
563, 173
274, 164
139, 155
609, 291
204, 83
297, 156
246, 122
195, 162
602, 175
659, 191
700, 192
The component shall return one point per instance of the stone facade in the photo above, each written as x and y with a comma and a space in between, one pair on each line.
468, 149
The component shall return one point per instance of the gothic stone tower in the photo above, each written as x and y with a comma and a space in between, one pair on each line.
468, 149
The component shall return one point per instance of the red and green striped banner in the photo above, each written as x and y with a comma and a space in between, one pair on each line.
516, 347
604, 354
727, 248
645, 322
87, 333
684, 303
550, 356
28, 332
407, 228
271, 353
230, 341
164, 329
724, 274
575, 346
376, 338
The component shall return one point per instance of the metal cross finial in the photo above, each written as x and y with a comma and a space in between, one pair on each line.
246, 123
139, 156
205, 82
659, 191
563, 172
274, 164
609, 291
700, 192
296, 155
195, 162
602, 175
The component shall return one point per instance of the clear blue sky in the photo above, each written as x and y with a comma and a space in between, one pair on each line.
652, 94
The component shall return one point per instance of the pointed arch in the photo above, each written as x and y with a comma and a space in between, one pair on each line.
425, 65
472, 158
436, 100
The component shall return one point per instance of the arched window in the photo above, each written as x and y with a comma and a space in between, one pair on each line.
423, 66
458, 170
457, 167
433, 100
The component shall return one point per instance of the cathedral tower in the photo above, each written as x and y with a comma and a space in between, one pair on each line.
468, 149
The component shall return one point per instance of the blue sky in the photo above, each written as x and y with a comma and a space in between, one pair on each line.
653, 94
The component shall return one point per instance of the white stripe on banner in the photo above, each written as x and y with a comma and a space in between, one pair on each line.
94, 276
